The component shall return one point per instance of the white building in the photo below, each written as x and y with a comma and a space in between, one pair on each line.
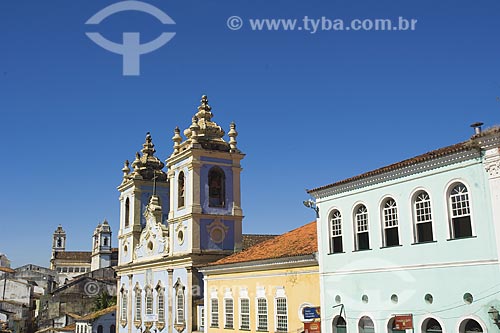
419, 238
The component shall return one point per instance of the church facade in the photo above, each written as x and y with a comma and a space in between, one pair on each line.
173, 222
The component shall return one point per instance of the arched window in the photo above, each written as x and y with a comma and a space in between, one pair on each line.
460, 212
161, 303
390, 218
361, 225
100, 329
470, 326
105, 242
149, 301
336, 232
339, 325
112, 329
216, 187
127, 212
365, 325
124, 296
431, 325
422, 217
59, 242
179, 318
180, 189
138, 303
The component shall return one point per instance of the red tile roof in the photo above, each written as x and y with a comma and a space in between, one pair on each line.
74, 255
300, 241
459, 147
250, 240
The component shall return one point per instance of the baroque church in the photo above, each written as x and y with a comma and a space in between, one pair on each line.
173, 222
70, 264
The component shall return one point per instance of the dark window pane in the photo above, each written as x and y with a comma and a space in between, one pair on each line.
336, 246
462, 227
391, 237
363, 241
424, 232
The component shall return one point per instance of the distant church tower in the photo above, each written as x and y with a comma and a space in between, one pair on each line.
58, 244
101, 247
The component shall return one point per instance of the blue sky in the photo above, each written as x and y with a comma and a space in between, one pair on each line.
310, 108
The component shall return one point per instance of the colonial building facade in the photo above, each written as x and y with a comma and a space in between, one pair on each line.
264, 288
174, 221
419, 239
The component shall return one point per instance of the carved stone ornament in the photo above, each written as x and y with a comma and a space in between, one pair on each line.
154, 237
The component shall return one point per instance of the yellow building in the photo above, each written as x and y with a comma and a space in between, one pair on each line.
264, 288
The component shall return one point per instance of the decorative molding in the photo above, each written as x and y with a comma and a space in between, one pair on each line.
399, 173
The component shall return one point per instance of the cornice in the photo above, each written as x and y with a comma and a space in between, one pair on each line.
406, 171
262, 265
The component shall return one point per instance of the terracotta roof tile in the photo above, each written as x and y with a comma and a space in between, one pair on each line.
300, 241
459, 147
99, 313
74, 255
251, 240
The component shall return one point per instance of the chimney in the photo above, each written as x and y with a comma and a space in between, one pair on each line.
477, 128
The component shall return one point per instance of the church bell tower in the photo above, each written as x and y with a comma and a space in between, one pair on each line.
138, 186
204, 174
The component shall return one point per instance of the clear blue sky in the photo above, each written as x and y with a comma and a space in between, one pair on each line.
310, 108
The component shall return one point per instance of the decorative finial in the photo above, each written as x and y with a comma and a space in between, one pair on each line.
232, 137
148, 146
177, 139
126, 169
194, 129
204, 109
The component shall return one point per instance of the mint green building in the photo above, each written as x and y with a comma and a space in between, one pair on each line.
414, 245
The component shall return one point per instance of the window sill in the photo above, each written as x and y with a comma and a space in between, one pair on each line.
244, 329
362, 250
262, 330
229, 328
214, 326
427, 242
468, 237
334, 253
389, 247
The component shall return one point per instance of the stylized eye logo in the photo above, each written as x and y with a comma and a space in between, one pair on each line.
131, 49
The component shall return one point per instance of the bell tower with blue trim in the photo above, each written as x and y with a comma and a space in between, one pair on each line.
205, 200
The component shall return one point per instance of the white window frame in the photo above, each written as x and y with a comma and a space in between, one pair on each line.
424, 212
335, 228
244, 297
280, 296
138, 303
160, 303
390, 219
365, 226
148, 300
180, 299
228, 296
261, 295
124, 304
214, 315
451, 186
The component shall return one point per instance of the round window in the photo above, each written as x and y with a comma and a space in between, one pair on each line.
180, 236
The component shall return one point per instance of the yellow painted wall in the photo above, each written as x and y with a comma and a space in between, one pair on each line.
301, 285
